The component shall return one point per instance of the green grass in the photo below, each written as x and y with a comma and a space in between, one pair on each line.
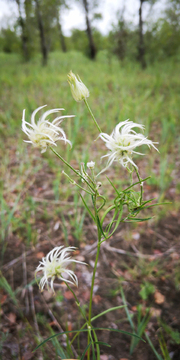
150, 97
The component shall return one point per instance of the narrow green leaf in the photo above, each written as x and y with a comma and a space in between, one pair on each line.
138, 182
87, 208
108, 310
159, 357
113, 186
84, 330
138, 219
5, 285
86, 349
102, 343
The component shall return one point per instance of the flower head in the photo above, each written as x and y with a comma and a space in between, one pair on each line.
44, 133
91, 165
78, 89
55, 264
122, 143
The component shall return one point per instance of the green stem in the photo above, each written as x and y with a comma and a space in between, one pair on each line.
93, 279
141, 184
99, 129
75, 171
84, 316
77, 302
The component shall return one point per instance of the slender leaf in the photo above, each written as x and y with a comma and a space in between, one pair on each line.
108, 310
84, 330
102, 343
86, 349
87, 208
159, 357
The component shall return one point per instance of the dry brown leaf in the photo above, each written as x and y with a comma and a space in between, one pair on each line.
156, 312
40, 255
96, 299
103, 357
28, 355
159, 298
174, 256
12, 317
68, 295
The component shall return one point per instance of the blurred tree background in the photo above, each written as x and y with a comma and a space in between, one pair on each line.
39, 29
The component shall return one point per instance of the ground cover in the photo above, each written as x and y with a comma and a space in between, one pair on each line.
40, 210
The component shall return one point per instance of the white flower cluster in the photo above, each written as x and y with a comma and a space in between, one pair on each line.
55, 264
122, 143
44, 133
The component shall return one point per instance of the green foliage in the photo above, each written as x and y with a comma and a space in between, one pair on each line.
146, 290
9, 41
142, 322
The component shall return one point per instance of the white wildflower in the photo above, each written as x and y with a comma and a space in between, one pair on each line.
91, 165
44, 133
122, 143
55, 264
78, 89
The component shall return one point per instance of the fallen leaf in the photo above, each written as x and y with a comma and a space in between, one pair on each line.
69, 328
174, 256
80, 258
96, 299
68, 295
103, 357
3, 299
134, 308
12, 317
28, 355
159, 298
157, 252
155, 312
136, 236
57, 225
40, 255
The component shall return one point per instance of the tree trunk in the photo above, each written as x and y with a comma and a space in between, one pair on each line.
89, 32
141, 39
24, 36
62, 40
42, 35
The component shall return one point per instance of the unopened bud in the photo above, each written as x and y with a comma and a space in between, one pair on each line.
78, 89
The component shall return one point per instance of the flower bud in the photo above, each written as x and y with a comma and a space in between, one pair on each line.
90, 165
78, 89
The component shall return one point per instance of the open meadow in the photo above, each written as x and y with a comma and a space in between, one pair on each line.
40, 209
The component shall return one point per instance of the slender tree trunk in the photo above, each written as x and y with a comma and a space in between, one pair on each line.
141, 39
44, 49
24, 36
62, 40
89, 32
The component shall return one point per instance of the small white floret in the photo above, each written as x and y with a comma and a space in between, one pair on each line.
55, 265
91, 165
43, 133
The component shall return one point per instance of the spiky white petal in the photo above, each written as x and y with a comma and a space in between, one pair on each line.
78, 89
122, 143
55, 264
44, 133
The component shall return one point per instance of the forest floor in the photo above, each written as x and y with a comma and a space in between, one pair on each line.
143, 260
